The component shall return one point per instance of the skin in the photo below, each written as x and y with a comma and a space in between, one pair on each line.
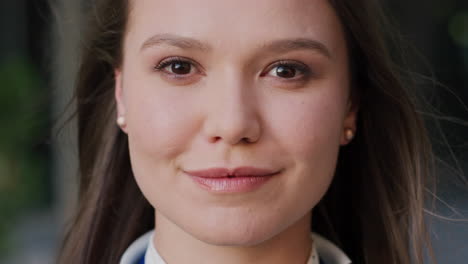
233, 92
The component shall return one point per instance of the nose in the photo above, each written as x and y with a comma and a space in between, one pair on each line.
232, 114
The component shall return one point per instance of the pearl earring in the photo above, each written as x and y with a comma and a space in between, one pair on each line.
349, 134
121, 121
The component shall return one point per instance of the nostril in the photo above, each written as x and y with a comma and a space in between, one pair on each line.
247, 140
215, 139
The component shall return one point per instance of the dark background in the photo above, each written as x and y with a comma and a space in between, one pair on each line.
38, 161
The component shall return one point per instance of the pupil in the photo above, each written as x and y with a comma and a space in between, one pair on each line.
285, 72
181, 68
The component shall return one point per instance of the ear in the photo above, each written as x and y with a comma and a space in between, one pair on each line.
119, 97
350, 122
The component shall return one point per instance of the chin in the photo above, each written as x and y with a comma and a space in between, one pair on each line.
235, 234
240, 239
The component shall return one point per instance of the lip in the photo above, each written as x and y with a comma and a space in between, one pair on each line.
237, 180
236, 172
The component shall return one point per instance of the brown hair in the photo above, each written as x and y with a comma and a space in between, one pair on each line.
374, 207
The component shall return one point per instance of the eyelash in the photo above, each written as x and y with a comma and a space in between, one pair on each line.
300, 67
167, 62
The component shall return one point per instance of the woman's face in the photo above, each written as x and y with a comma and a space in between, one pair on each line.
227, 84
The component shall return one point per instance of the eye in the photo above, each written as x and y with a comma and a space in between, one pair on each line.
176, 66
288, 70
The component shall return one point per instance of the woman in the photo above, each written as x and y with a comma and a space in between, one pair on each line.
243, 133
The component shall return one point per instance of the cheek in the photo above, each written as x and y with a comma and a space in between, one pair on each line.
160, 126
308, 132
310, 127
160, 123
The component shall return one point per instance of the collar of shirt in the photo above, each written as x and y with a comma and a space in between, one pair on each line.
143, 248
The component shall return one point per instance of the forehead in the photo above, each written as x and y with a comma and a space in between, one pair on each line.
236, 24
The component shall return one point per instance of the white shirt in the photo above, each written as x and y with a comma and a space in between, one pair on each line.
330, 253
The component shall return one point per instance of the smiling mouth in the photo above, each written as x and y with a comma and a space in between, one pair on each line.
236, 172
238, 180
231, 184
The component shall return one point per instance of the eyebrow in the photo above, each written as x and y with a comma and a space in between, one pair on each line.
281, 45
175, 40
285, 45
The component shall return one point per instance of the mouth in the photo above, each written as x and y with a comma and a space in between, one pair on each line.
238, 180
236, 172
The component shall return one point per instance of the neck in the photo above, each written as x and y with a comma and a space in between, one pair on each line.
292, 245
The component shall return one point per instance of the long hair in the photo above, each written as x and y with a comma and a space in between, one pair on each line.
374, 207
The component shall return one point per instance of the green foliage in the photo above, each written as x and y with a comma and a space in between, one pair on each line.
23, 119
458, 28
19, 94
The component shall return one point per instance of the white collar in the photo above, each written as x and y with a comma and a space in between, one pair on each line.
329, 252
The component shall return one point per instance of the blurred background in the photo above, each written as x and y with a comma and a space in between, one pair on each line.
38, 56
